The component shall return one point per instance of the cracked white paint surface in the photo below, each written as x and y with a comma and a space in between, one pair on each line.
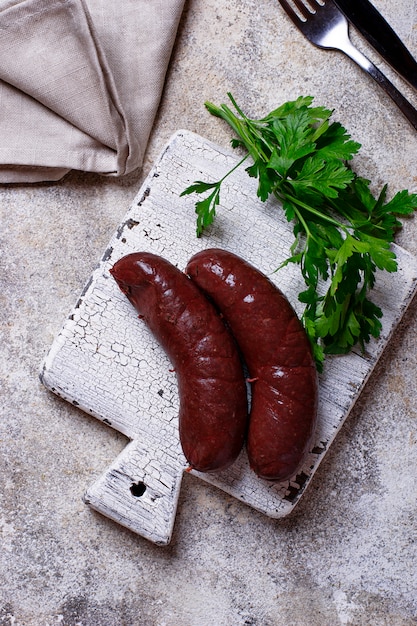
106, 361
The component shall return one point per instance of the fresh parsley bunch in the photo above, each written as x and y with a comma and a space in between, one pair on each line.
342, 233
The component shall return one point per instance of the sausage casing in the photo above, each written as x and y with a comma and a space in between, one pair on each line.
278, 356
212, 390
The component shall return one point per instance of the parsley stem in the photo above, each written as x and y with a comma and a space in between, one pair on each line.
235, 167
304, 223
238, 109
320, 214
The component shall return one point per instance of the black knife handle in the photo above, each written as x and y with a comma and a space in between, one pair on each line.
403, 104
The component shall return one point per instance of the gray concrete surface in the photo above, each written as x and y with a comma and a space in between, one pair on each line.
347, 555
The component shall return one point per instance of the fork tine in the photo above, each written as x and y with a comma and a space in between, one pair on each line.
316, 4
293, 15
304, 11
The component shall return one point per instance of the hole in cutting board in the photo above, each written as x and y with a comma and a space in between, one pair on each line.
138, 489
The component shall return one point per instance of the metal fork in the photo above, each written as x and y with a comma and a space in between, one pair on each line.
324, 25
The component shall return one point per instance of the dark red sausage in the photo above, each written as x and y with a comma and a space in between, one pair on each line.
212, 390
278, 355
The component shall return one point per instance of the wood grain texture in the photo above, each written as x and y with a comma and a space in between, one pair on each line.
106, 362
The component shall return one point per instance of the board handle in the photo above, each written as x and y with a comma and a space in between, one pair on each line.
140, 491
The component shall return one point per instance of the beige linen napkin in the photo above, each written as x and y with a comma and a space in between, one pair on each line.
80, 83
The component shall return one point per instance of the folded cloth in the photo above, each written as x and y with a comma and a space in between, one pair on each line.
80, 84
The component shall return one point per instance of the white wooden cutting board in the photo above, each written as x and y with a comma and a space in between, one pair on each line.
106, 362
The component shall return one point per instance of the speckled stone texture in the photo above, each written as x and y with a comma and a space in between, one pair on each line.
347, 554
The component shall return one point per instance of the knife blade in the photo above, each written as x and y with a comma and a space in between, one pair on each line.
373, 26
